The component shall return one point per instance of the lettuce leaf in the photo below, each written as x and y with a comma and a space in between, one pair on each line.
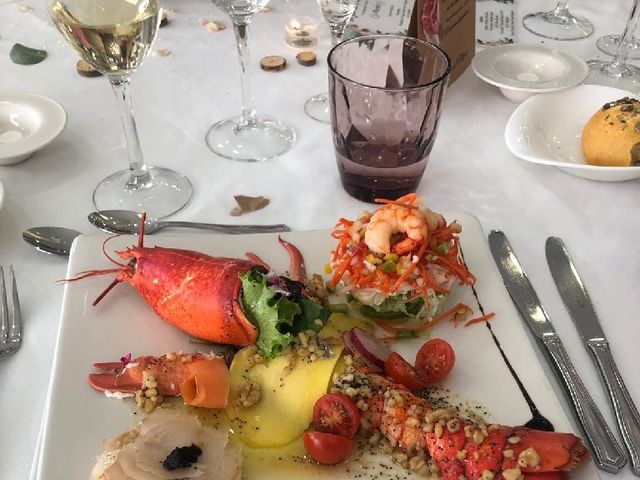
279, 318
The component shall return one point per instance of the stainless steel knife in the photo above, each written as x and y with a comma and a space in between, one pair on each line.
607, 452
577, 301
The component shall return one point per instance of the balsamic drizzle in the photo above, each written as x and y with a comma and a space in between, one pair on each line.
538, 422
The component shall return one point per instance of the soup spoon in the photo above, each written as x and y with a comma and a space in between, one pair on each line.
53, 240
124, 221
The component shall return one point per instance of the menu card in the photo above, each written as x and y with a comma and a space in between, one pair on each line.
382, 16
496, 22
450, 24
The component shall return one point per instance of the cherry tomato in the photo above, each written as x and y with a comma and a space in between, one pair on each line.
336, 413
327, 448
435, 360
401, 371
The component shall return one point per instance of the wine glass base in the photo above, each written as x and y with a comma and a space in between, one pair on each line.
558, 26
609, 44
317, 107
625, 77
260, 140
164, 192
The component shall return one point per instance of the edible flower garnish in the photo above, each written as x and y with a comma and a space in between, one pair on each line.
126, 359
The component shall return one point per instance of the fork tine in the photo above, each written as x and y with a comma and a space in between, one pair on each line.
4, 309
15, 330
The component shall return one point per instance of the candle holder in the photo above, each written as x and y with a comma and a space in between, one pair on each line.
301, 32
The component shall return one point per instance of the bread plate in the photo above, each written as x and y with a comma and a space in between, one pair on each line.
28, 123
547, 129
521, 71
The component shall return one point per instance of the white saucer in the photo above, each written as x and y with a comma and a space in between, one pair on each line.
520, 71
547, 129
27, 123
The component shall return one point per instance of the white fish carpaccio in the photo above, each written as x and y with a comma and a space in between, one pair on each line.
138, 454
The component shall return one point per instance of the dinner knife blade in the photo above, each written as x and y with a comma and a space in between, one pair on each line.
572, 290
581, 309
606, 451
519, 286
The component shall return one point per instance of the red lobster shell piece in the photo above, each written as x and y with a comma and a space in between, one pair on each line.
201, 379
465, 449
197, 293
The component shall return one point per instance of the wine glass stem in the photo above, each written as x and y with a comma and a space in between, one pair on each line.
241, 29
561, 9
337, 31
139, 175
624, 45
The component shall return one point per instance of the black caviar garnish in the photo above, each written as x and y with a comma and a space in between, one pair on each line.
182, 457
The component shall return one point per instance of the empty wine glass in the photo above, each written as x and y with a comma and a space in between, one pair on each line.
609, 44
558, 24
617, 72
115, 37
337, 14
250, 138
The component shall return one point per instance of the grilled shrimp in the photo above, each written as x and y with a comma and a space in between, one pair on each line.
395, 218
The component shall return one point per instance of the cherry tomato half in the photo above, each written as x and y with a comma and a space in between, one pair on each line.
435, 360
336, 413
327, 448
401, 371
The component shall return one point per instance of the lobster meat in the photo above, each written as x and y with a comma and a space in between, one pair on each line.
201, 379
461, 448
197, 293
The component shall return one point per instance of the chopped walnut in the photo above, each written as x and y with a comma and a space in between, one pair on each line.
248, 395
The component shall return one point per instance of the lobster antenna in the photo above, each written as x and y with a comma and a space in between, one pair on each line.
88, 273
143, 219
107, 290
104, 251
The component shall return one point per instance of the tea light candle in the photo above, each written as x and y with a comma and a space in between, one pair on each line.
301, 32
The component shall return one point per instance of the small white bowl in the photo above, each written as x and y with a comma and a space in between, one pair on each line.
27, 123
547, 129
520, 71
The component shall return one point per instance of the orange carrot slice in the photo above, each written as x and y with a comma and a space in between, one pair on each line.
484, 318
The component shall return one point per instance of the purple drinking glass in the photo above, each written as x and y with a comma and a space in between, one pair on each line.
385, 94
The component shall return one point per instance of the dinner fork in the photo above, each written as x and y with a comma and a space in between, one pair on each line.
10, 321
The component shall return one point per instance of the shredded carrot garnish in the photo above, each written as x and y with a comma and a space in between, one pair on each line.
394, 202
483, 318
426, 268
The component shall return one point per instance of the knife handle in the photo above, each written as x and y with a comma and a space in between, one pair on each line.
608, 454
626, 412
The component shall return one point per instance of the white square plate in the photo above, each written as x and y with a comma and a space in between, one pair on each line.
78, 418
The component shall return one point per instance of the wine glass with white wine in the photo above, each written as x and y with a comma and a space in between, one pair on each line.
115, 37
337, 14
249, 137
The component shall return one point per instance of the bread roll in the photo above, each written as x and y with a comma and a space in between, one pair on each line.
611, 137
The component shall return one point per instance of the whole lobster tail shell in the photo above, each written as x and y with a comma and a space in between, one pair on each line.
463, 448
198, 294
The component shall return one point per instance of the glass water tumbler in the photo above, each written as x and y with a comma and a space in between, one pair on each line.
385, 96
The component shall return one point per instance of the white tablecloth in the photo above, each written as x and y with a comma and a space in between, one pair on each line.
178, 97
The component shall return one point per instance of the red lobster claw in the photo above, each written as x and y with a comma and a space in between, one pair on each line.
120, 379
201, 379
